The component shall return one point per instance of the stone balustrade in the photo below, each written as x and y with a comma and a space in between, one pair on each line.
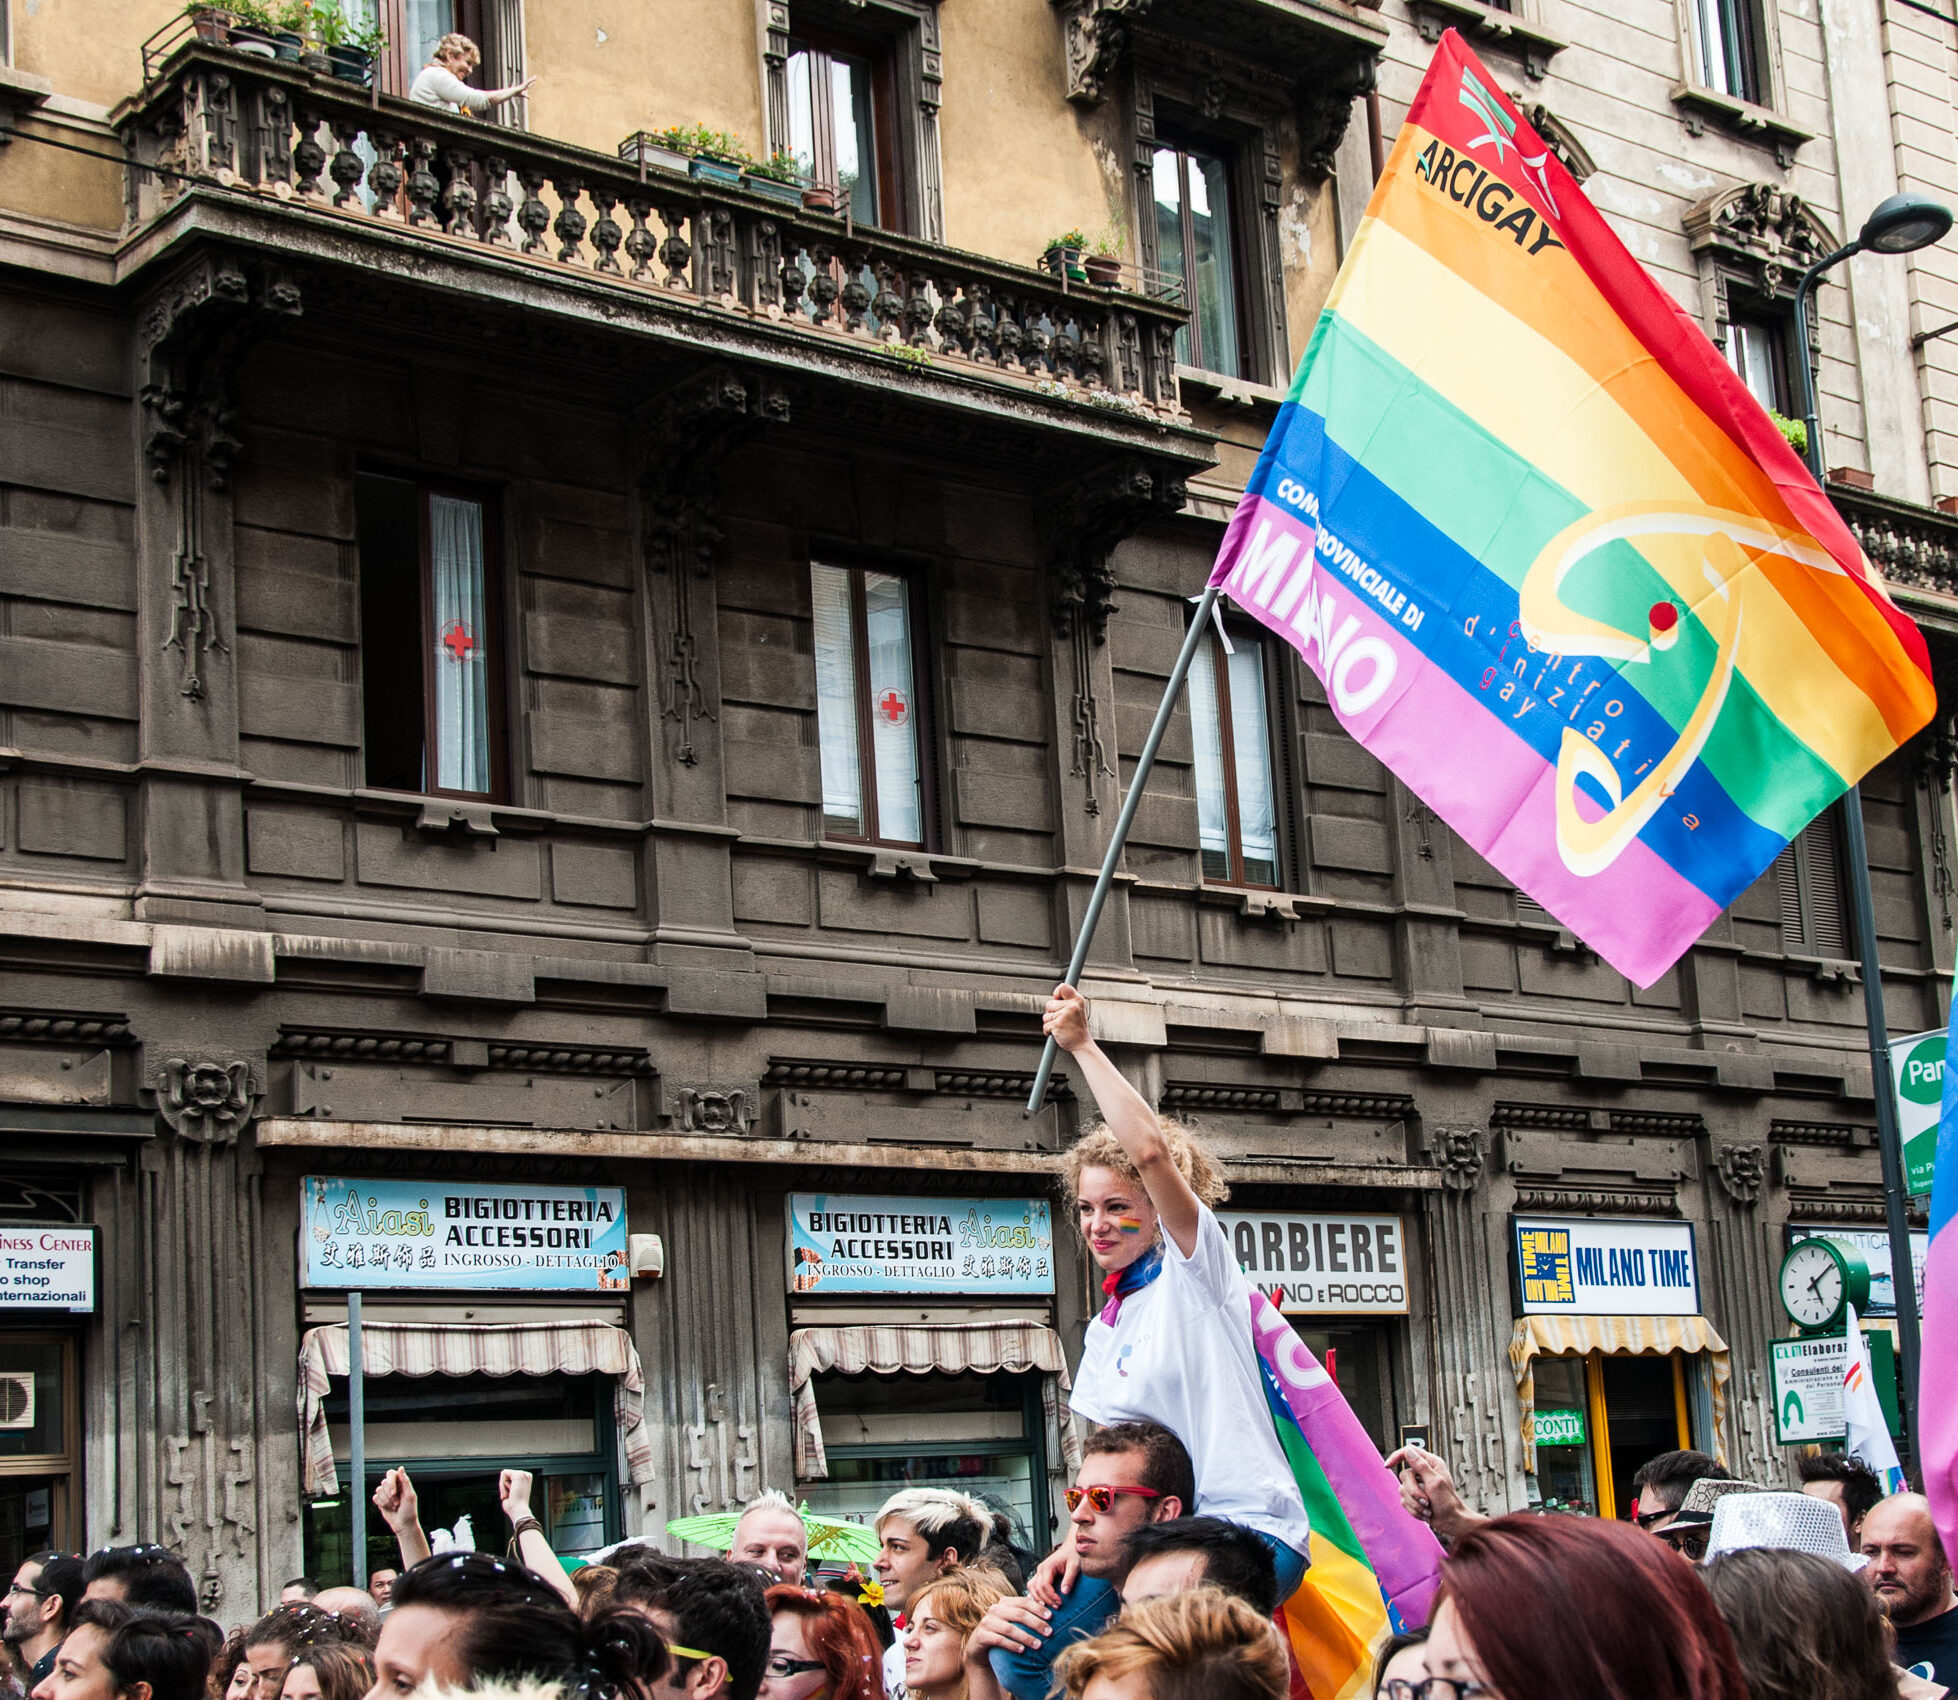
212, 118
1915, 548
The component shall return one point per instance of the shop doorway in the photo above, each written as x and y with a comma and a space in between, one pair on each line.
1599, 1417
455, 1435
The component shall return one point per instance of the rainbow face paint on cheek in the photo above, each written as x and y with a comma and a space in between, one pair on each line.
1128, 1224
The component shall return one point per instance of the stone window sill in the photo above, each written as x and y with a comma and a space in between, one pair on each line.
1698, 106
1491, 26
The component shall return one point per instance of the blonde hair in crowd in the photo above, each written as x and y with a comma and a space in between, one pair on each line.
932, 1511
959, 1601
1100, 1149
1203, 1645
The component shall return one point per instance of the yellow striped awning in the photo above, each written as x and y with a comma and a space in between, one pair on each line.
1561, 1336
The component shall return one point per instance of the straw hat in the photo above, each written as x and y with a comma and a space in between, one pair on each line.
1796, 1521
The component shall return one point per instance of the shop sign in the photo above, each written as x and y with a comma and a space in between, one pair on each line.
1874, 1244
1578, 1267
858, 1243
1559, 1428
1805, 1378
47, 1268
373, 1234
1312, 1265
1917, 1076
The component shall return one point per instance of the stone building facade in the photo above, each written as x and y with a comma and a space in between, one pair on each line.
443, 744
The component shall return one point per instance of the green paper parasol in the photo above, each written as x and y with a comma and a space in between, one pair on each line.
829, 1537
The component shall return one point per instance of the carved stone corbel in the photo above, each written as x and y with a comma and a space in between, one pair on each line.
687, 433
1095, 35
713, 1109
1325, 109
1758, 235
1457, 1153
205, 1101
1093, 514
1743, 1171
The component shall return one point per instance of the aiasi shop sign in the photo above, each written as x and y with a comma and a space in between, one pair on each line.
375, 1234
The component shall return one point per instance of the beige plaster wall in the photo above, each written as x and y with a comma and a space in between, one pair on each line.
89, 49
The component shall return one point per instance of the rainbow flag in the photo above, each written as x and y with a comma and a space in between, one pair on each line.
1936, 1439
1554, 564
1374, 1568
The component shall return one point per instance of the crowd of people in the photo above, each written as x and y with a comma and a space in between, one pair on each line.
1187, 1533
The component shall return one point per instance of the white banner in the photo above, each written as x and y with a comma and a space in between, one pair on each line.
1322, 1265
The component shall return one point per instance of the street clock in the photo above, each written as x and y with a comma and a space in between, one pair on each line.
1820, 1280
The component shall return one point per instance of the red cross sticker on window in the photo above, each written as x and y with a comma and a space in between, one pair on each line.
894, 707
459, 641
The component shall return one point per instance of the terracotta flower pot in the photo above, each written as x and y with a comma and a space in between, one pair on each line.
1104, 270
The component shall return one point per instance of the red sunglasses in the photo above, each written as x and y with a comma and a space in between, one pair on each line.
1103, 1498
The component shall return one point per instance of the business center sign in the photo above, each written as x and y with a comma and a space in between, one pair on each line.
1573, 1266
47, 1268
375, 1234
1315, 1265
857, 1243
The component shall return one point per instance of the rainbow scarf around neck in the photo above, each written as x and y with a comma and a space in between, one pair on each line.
1374, 1568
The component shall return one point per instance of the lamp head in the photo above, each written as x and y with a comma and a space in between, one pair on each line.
1903, 224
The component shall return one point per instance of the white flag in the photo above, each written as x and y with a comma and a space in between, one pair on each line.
1869, 1436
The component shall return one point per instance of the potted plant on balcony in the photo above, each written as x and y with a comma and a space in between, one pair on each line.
654, 147
211, 23
290, 23
1104, 263
776, 178
252, 31
349, 49
819, 197
1063, 256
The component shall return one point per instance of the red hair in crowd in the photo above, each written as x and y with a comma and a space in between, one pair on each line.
1562, 1606
838, 1632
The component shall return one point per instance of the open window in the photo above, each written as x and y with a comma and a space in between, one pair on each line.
414, 27
1732, 45
1758, 349
1199, 245
431, 638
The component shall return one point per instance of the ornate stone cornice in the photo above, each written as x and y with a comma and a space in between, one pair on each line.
52, 1027
1092, 514
1597, 1201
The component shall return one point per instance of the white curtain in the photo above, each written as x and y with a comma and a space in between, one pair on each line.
1207, 731
1257, 828
461, 658
893, 708
836, 699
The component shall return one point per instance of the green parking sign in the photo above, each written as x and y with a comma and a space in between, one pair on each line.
1917, 1073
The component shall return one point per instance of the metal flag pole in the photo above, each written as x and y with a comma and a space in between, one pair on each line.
1199, 625
357, 1425
1889, 1135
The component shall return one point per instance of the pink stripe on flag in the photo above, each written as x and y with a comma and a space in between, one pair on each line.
1937, 1393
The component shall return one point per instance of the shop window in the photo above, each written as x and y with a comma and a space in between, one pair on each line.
1237, 791
40, 1445
1732, 48
1757, 349
1808, 889
980, 1434
1198, 246
1599, 1417
455, 1434
868, 705
430, 639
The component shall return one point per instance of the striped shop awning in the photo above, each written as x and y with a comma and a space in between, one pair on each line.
1560, 1336
924, 1349
470, 1348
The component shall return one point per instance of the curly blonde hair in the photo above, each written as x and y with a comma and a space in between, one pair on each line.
1100, 1149
1203, 1642
457, 44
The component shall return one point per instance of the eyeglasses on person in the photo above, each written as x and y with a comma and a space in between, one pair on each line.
1103, 1498
1645, 1519
781, 1666
1433, 1688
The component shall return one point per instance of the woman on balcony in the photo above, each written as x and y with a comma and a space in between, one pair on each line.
441, 81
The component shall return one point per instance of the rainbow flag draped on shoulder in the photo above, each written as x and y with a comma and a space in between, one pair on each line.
1554, 564
1374, 1568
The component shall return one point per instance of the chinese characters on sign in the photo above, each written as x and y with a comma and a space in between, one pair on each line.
857, 1244
427, 1234
1587, 1268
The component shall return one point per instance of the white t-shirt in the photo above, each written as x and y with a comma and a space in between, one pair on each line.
894, 1688
1181, 1354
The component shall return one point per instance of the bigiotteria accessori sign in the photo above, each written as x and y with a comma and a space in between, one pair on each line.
857, 1243
426, 1234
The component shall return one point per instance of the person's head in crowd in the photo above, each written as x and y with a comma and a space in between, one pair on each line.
1161, 1559
713, 1616
1847, 1483
925, 1532
1131, 1474
343, 1672
821, 1647
1907, 1570
1805, 1628
461, 1617
149, 1576
279, 1637
1550, 1608
380, 1583
231, 1677
771, 1533
1111, 1207
1662, 1483
1203, 1645
594, 1584
353, 1610
1689, 1531
298, 1591
115, 1652
1401, 1666
938, 1620
46, 1590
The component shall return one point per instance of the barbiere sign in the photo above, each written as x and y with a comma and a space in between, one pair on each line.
1578, 1267
1318, 1265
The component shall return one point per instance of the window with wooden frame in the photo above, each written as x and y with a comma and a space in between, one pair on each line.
1733, 49
1237, 787
1199, 245
431, 638
853, 93
414, 27
869, 720
1809, 890
1757, 349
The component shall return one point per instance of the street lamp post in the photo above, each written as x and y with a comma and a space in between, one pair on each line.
1900, 225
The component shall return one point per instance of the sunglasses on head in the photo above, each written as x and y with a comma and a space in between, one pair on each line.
1103, 1498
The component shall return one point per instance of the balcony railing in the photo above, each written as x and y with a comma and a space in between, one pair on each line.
213, 119
1915, 549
